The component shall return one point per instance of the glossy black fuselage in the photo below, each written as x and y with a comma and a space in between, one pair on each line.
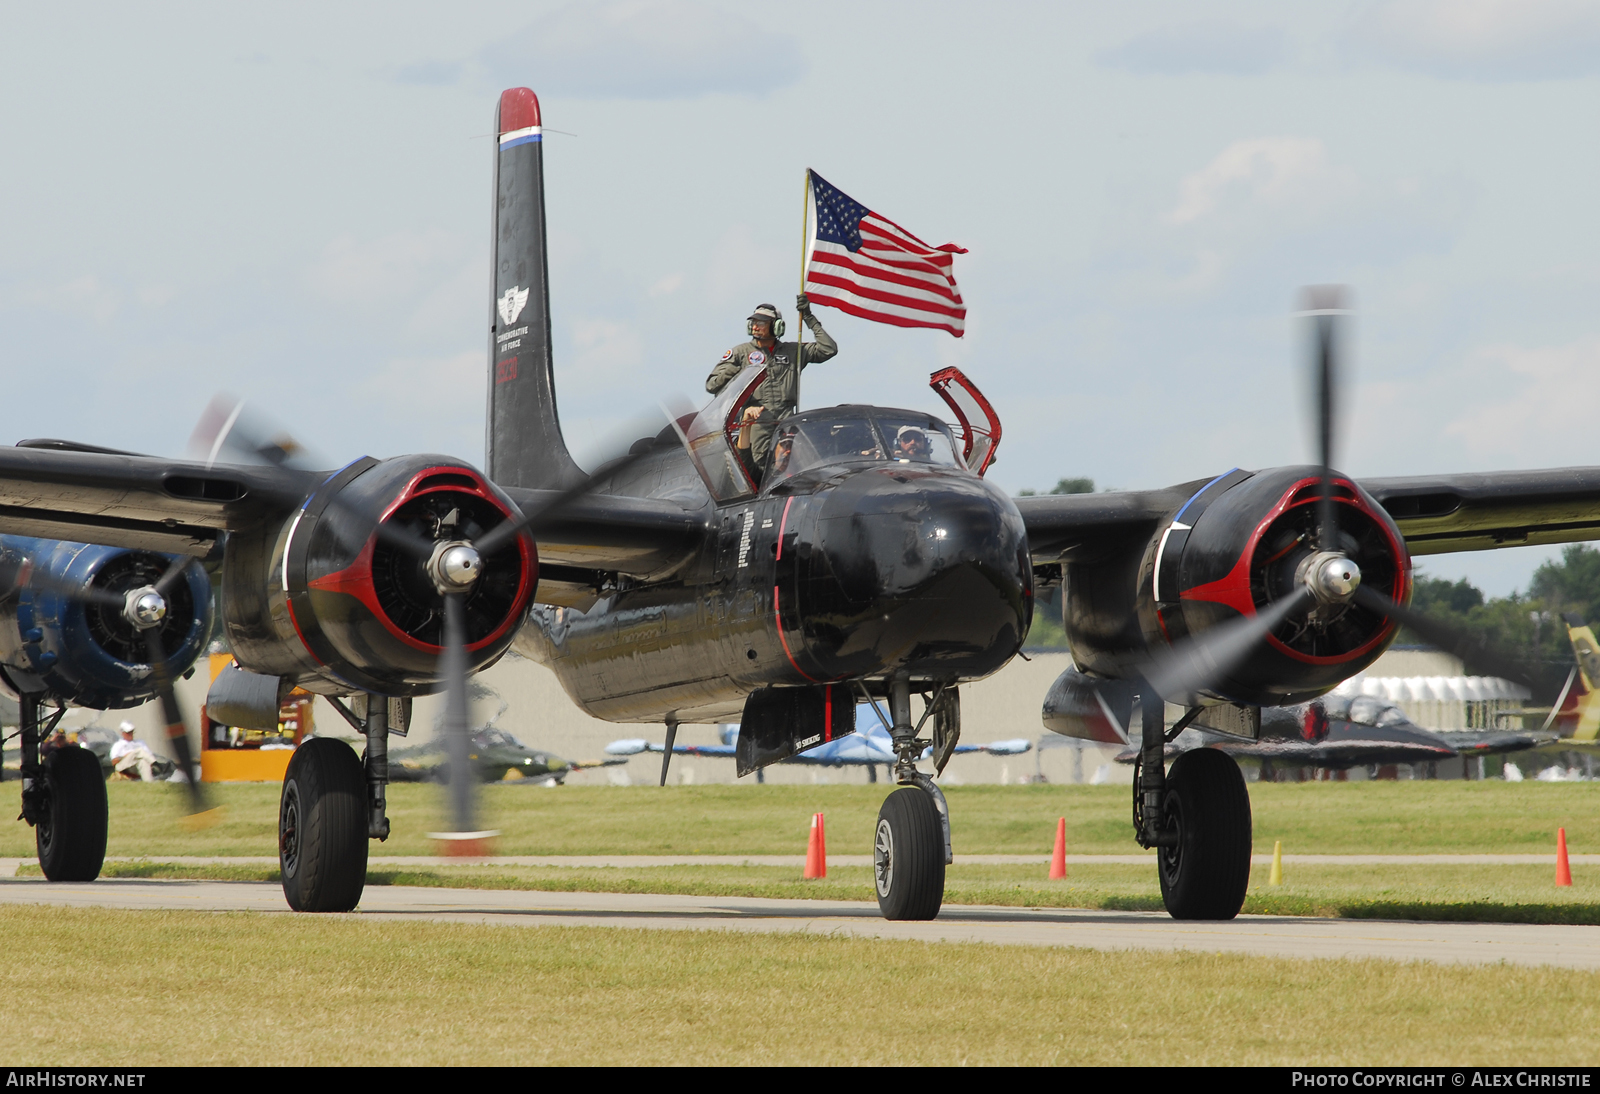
854, 570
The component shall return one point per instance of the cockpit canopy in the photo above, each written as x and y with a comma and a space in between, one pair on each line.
856, 434
840, 434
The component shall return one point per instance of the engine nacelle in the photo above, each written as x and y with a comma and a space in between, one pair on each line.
328, 601
1237, 545
53, 642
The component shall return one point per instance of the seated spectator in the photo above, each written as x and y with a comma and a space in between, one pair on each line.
129, 756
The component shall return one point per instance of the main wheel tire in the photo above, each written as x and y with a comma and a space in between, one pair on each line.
322, 828
908, 856
1204, 874
71, 836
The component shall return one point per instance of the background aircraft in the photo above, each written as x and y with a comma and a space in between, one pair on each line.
1340, 732
867, 747
670, 587
495, 755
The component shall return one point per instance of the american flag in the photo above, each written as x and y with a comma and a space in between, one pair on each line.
867, 265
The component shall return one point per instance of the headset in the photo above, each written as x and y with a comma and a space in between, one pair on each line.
768, 312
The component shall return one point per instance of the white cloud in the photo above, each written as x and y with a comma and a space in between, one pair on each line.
1285, 210
1209, 47
1274, 170
428, 403
376, 272
667, 285
743, 271
605, 350
1481, 39
85, 297
645, 49
1543, 401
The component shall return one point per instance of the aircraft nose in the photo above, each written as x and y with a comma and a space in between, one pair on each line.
925, 572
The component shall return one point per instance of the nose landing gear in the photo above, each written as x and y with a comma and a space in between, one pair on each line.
911, 845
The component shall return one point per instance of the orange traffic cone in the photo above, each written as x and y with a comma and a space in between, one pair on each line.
1563, 870
1058, 857
816, 853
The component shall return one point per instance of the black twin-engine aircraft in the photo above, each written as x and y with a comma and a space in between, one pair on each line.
671, 586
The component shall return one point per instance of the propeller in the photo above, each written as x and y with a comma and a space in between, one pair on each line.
1327, 579
454, 567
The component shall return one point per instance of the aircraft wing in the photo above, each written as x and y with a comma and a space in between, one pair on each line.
999, 748
1077, 525
633, 746
608, 532
1491, 742
56, 490
63, 490
1436, 513
1348, 752
1441, 513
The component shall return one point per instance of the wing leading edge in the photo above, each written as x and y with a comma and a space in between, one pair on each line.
1437, 514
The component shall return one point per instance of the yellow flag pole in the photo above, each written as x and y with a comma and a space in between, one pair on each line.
799, 322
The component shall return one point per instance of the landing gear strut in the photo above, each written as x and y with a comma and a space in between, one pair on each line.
64, 798
911, 845
1197, 817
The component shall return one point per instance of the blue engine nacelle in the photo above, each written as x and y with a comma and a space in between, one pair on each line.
53, 641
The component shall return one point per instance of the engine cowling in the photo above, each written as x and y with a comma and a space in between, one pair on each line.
55, 643
328, 600
1241, 542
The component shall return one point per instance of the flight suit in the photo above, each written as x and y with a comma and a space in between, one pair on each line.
779, 391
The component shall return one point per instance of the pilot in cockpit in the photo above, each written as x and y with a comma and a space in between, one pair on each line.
911, 443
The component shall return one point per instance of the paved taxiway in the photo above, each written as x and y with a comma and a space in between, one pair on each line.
1470, 943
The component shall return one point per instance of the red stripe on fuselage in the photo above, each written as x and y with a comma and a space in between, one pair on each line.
777, 620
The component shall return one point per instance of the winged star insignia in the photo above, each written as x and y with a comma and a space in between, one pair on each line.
511, 303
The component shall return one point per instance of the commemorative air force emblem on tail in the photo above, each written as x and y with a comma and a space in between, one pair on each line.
511, 303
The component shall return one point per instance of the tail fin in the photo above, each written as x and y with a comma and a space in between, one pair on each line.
1585, 701
524, 446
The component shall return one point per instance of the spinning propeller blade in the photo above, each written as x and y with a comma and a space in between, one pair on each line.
1203, 662
1325, 307
201, 815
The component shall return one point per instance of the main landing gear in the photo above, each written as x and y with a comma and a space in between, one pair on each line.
911, 846
1197, 816
64, 798
332, 804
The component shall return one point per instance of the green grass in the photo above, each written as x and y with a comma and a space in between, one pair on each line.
1496, 894
230, 989
1310, 818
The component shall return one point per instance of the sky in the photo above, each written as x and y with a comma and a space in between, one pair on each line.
291, 203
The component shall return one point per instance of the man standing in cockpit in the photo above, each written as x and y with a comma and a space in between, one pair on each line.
777, 394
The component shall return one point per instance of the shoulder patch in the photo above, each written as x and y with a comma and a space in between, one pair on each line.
727, 355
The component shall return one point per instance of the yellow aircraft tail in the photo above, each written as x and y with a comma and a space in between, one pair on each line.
1581, 706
